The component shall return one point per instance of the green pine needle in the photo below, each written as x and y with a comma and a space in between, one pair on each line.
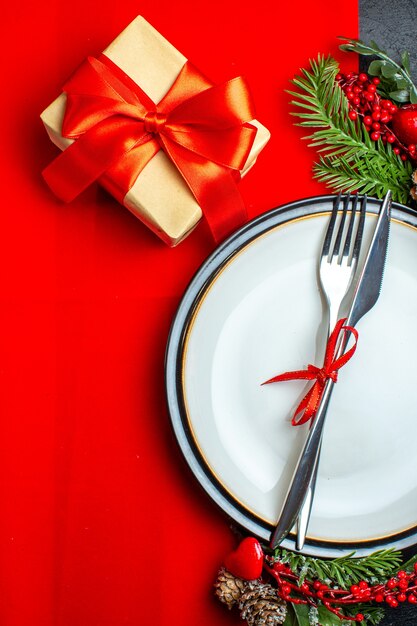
350, 160
372, 614
343, 571
369, 176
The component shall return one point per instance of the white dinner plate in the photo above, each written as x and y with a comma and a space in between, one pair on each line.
255, 310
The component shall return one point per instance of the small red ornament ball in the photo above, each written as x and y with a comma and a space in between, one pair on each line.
247, 560
404, 124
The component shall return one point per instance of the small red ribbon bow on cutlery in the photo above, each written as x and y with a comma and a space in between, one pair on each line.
309, 405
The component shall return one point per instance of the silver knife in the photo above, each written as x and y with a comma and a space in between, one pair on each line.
366, 293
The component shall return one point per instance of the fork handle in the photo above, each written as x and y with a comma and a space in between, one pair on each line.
304, 472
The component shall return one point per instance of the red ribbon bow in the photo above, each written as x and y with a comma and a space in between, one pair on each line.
202, 128
310, 403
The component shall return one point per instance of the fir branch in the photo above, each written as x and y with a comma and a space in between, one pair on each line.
351, 160
344, 571
372, 614
326, 108
369, 176
408, 566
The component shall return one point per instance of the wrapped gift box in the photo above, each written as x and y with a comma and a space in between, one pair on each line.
159, 196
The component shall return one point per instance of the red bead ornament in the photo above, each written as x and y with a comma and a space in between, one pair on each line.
247, 561
404, 124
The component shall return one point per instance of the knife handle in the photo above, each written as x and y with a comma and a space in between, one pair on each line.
304, 472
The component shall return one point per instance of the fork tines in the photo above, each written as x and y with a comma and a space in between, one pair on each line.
342, 239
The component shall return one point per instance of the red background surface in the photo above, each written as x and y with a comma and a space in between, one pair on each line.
101, 522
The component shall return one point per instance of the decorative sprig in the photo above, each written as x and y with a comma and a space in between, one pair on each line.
396, 82
372, 176
350, 160
301, 615
345, 570
372, 614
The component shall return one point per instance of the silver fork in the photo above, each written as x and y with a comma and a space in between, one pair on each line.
338, 264
336, 272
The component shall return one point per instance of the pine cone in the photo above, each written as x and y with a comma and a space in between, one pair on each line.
229, 588
261, 606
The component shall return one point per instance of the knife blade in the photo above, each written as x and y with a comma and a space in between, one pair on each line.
365, 295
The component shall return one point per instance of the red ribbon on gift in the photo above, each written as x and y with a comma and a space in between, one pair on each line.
309, 405
202, 128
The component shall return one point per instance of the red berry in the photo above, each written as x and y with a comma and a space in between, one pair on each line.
393, 108
320, 595
392, 583
403, 157
403, 584
376, 116
339, 76
390, 138
286, 589
412, 598
362, 78
317, 584
278, 566
367, 120
353, 115
394, 603
376, 80
415, 567
376, 126
350, 95
397, 150
363, 584
401, 597
385, 103
379, 597
369, 96
356, 100
305, 588
357, 89
359, 617
384, 118
375, 136
372, 88
354, 589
